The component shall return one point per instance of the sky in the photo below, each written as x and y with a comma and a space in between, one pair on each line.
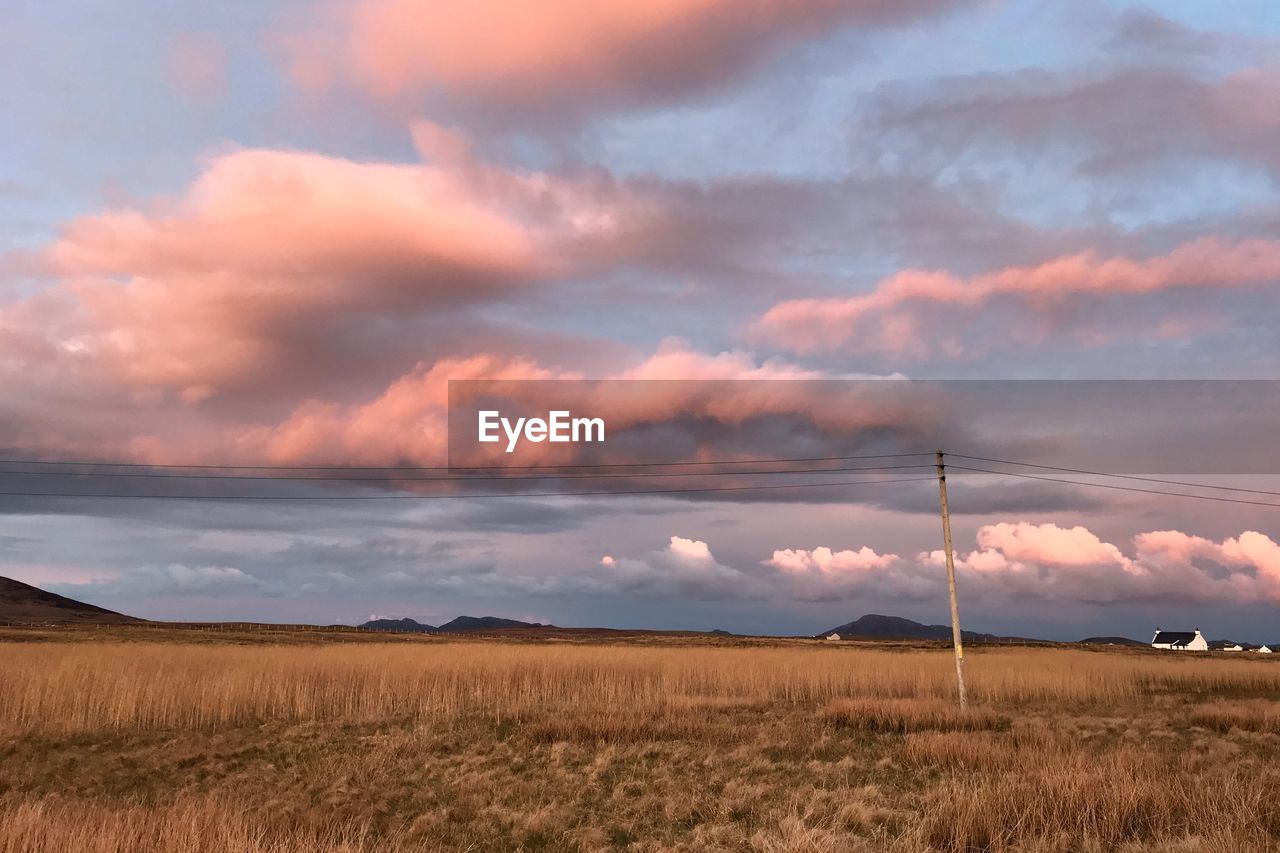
248, 234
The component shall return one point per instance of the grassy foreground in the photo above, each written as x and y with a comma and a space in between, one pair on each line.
128, 743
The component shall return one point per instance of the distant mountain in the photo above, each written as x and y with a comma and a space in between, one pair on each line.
1220, 645
397, 625
26, 604
1112, 641
462, 623
487, 623
879, 627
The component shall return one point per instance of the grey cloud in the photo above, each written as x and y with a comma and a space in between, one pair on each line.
988, 498
172, 579
1128, 122
1157, 38
684, 569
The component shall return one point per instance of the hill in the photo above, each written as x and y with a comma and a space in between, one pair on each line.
487, 623
23, 603
461, 624
876, 626
405, 624
1112, 641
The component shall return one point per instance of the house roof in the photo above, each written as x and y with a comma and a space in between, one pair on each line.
1174, 638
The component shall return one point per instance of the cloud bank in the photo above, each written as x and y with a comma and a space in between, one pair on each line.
685, 568
922, 313
1126, 123
534, 62
1012, 561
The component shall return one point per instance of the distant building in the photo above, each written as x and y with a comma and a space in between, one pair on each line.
1263, 650
1225, 646
1181, 641
833, 636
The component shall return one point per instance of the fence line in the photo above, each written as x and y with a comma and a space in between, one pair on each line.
222, 627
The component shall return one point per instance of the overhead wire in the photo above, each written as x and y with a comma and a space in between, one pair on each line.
1113, 486
451, 468
291, 498
541, 473
448, 479
1112, 474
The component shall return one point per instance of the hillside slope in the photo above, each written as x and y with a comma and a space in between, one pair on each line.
405, 624
876, 626
458, 625
487, 623
26, 604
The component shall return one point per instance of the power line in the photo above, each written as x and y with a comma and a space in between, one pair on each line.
120, 496
557, 472
1113, 486
767, 461
477, 479
1121, 476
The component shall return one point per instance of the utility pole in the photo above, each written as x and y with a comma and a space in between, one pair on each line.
951, 580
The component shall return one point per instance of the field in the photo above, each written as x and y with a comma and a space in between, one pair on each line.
127, 740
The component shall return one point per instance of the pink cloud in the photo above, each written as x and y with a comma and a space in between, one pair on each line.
273, 256
1049, 545
559, 56
685, 568
1049, 562
1013, 561
826, 561
161, 320
283, 276
821, 574
408, 422
675, 360
919, 313
689, 550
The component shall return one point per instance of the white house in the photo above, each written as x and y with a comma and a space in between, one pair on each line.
1181, 641
833, 637
1263, 650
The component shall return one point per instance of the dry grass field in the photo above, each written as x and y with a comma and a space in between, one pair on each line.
120, 741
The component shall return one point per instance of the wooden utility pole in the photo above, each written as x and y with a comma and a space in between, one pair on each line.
951, 580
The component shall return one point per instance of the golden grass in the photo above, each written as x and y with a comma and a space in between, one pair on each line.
465, 745
1048, 784
1118, 797
1257, 715
69, 688
189, 825
899, 716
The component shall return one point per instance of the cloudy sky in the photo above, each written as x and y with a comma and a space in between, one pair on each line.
270, 234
